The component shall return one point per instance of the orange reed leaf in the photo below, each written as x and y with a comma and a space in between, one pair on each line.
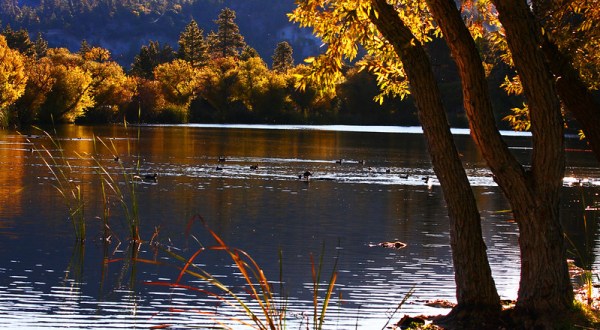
187, 264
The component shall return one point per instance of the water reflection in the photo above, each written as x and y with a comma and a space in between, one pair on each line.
346, 207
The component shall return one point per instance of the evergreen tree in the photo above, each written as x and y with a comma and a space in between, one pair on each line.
248, 53
84, 47
282, 57
40, 46
19, 40
192, 46
150, 57
227, 41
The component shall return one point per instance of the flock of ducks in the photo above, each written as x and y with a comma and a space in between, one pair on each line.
153, 177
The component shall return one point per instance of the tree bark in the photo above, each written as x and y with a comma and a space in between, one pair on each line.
572, 90
574, 94
478, 300
545, 291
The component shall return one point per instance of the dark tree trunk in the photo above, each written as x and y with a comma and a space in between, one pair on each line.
545, 291
478, 300
575, 96
573, 92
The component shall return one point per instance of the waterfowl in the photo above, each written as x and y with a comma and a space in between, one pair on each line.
387, 170
307, 175
339, 161
146, 177
428, 181
219, 168
116, 158
254, 167
403, 176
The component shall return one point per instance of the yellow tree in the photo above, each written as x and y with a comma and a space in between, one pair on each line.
111, 87
252, 81
313, 96
13, 78
71, 92
217, 81
38, 86
179, 81
394, 32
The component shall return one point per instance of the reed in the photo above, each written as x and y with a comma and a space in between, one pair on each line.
126, 198
68, 187
263, 308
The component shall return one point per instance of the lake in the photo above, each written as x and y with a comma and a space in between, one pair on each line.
367, 186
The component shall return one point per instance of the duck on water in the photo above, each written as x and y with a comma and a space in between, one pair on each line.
147, 177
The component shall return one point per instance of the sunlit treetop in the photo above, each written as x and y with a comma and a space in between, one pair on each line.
347, 33
346, 30
575, 27
571, 25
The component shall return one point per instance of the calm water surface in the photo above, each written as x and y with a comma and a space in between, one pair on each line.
48, 280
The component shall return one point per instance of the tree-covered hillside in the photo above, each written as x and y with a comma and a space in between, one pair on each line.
124, 26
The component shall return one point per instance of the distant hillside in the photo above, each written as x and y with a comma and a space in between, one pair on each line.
124, 26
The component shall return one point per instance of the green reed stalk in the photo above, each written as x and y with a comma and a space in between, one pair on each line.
319, 316
68, 188
129, 205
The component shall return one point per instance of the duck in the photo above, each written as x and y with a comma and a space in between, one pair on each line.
146, 177
339, 161
428, 181
219, 168
254, 167
403, 176
393, 245
116, 158
306, 176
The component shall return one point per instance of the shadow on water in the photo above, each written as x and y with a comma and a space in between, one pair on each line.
366, 187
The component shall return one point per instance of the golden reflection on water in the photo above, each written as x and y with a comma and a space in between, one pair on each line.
12, 155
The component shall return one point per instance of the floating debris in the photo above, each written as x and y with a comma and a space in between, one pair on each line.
391, 245
440, 303
409, 322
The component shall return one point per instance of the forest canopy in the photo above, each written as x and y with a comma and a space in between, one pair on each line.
207, 76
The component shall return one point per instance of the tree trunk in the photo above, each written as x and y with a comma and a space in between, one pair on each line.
575, 96
478, 300
545, 292
573, 92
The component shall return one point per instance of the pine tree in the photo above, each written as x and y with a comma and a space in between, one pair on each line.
150, 57
248, 53
84, 47
227, 41
40, 45
192, 46
18, 40
282, 57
